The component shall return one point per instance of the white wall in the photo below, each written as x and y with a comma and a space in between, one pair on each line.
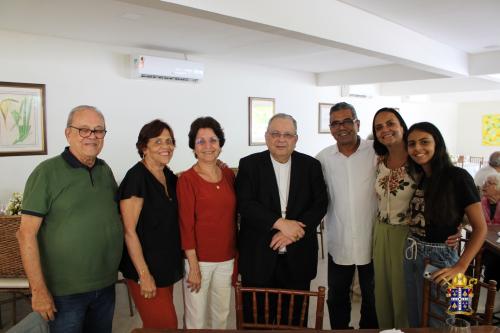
84, 73
469, 130
443, 115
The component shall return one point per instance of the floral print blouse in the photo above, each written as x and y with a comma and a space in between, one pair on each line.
394, 188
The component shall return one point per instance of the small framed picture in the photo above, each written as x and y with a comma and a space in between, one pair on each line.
260, 110
324, 117
22, 119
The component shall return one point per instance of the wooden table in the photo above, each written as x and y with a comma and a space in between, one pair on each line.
491, 239
474, 329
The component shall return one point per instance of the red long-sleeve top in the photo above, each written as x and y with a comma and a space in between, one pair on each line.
207, 215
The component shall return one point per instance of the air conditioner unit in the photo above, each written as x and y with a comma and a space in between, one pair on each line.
143, 66
359, 90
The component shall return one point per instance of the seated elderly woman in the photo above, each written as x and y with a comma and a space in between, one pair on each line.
491, 210
491, 196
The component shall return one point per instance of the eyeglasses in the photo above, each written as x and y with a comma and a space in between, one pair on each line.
167, 142
348, 123
286, 135
86, 132
201, 142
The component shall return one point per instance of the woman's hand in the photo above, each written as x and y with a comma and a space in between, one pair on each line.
194, 279
445, 275
454, 240
148, 285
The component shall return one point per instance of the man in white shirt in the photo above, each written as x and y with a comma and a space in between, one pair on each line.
492, 168
349, 170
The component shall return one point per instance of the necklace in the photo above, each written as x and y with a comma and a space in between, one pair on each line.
209, 177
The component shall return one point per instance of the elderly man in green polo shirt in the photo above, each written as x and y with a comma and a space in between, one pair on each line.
71, 237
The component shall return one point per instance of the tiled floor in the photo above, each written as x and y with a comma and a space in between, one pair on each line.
123, 322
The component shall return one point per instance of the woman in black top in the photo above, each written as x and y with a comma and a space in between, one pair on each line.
443, 195
152, 258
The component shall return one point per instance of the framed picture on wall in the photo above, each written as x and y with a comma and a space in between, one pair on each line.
260, 110
491, 130
22, 119
324, 117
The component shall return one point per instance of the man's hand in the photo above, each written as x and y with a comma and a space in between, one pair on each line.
280, 240
290, 228
43, 303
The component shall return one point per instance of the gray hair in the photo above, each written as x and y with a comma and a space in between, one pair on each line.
283, 116
494, 160
79, 108
495, 177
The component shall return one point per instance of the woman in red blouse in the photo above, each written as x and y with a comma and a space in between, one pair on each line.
207, 216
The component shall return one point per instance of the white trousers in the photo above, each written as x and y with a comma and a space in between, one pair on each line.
209, 308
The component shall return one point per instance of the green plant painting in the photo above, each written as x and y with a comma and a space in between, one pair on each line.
22, 126
16, 116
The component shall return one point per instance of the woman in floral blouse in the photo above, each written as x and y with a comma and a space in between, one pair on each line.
395, 187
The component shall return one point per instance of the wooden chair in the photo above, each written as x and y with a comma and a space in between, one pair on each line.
476, 266
319, 231
437, 297
477, 160
13, 279
460, 161
267, 293
121, 280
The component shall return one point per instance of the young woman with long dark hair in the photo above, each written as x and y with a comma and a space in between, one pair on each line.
444, 194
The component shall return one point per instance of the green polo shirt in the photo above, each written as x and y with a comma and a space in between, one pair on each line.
81, 236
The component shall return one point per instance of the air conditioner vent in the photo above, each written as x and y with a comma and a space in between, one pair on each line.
165, 69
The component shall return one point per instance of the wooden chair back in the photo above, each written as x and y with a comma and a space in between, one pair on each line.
477, 160
437, 297
476, 266
319, 232
280, 323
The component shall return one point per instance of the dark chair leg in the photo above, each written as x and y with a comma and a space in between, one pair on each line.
14, 308
130, 307
322, 248
129, 302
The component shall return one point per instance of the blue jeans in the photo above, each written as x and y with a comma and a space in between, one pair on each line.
86, 312
440, 256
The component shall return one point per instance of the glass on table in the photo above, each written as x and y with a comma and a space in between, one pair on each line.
457, 325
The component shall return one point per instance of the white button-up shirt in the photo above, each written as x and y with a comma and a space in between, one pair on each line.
352, 202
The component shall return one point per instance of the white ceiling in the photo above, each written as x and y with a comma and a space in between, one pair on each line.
125, 24
346, 42
470, 26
